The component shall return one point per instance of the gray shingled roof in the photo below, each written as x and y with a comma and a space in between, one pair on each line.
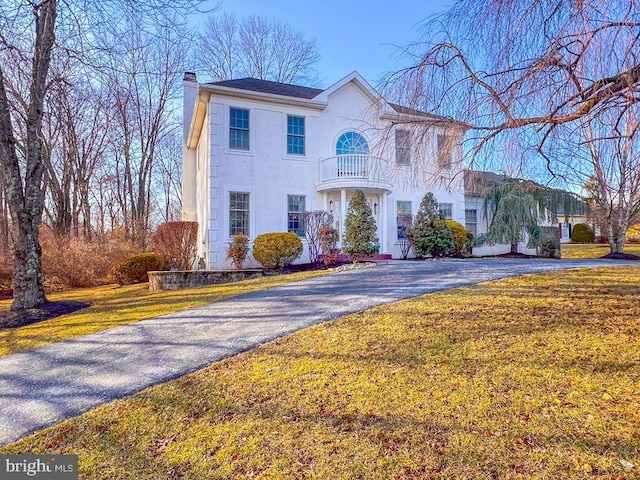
476, 181
267, 86
297, 91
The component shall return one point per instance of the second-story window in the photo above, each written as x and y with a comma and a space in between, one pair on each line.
295, 135
403, 147
238, 129
444, 152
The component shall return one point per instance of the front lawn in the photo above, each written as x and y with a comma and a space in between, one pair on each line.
594, 250
535, 377
112, 306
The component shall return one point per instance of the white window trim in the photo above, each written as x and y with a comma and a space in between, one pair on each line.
395, 223
227, 131
227, 206
295, 156
307, 208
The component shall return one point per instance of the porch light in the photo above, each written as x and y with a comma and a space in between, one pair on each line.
375, 208
331, 206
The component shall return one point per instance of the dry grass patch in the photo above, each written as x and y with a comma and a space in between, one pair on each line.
535, 377
112, 306
594, 250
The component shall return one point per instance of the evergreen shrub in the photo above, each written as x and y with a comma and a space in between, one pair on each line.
134, 269
277, 250
582, 233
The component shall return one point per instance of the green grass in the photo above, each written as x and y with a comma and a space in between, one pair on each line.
594, 250
535, 377
112, 306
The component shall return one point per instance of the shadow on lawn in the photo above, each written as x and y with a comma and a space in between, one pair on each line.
20, 318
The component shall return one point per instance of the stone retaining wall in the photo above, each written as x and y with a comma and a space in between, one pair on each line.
161, 281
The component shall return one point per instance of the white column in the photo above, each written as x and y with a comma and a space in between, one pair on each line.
385, 221
343, 211
325, 201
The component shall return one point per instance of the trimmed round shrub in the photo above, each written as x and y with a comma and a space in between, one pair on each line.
277, 250
582, 233
461, 237
134, 269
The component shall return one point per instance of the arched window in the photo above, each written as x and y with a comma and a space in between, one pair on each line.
351, 143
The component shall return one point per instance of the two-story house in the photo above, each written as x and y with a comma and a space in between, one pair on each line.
257, 154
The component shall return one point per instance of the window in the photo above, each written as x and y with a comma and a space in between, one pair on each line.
295, 209
444, 151
295, 135
446, 210
238, 129
471, 221
403, 220
403, 147
351, 143
238, 213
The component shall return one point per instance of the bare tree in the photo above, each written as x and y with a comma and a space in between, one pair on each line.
257, 47
602, 153
167, 188
142, 82
25, 194
314, 222
527, 72
76, 140
31, 32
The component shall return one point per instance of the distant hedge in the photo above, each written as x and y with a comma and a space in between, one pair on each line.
582, 233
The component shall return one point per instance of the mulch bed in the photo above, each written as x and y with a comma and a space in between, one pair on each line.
307, 267
621, 256
13, 319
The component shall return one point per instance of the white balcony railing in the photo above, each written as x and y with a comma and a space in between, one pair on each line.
351, 167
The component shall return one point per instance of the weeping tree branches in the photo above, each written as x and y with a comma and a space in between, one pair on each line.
525, 74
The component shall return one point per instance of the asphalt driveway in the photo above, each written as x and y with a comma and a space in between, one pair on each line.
49, 384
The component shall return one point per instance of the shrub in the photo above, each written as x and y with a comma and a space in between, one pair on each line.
582, 233
461, 237
633, 233
277, 250
134, 269
178, 241
73, 262
314, 223
405, 225
238, 250
360, 237
436, 241
430, 234
328, 240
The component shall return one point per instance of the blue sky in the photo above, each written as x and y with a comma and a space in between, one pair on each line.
351, 35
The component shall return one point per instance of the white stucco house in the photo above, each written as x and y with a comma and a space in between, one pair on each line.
256, 154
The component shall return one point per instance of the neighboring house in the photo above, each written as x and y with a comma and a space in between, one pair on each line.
257, 154
475, 184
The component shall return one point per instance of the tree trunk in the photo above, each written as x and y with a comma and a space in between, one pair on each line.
28, 291
25, 194
514, 248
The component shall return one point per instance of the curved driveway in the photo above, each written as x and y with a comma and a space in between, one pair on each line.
46, 385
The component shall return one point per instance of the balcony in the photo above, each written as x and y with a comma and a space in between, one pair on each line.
353, 171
